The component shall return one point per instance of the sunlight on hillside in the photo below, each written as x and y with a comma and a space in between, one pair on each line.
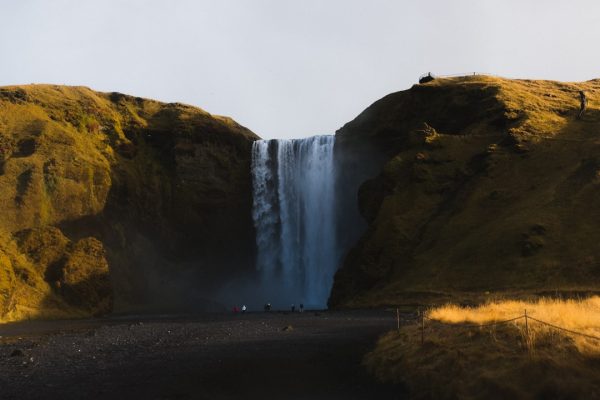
575, 315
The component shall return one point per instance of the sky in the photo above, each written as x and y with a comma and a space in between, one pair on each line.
290, 69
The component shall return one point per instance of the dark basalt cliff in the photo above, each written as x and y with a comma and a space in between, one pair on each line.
117, 202
478, 185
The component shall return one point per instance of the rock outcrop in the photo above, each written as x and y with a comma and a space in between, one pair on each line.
483, 185
112, 201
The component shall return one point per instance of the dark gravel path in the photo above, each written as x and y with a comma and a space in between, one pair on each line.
216, 356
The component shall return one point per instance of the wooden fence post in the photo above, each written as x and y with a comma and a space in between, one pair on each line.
526, 326
422, 328
528, 341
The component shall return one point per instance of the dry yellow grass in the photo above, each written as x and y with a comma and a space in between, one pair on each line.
575, 315
459, 359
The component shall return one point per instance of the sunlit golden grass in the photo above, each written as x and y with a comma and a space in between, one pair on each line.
575, 315
465, 357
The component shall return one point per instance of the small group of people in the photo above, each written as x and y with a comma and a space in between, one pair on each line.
236, 309
267, 307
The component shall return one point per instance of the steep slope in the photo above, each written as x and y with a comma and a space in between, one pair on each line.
487, 185
109, 199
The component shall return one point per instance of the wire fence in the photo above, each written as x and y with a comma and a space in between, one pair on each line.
458, 325
564, 329
421, 318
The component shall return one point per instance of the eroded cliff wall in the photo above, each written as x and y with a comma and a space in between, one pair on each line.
117, 202
487, 185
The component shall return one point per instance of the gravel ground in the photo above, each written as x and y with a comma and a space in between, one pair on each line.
215, 356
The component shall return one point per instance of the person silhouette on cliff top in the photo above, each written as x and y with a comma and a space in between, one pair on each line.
584, 102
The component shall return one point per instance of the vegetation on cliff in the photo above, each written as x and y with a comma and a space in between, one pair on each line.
113, 199
487, 185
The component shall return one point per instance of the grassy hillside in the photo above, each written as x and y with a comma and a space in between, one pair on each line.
103, 187
487, 185
458, 358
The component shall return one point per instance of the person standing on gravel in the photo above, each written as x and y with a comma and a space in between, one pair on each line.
244, 309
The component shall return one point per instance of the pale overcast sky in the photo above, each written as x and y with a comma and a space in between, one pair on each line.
290, 68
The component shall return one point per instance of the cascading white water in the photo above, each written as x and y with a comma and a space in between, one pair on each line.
294, 216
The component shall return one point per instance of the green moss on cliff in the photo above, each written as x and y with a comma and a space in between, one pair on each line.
490, 185
97, 183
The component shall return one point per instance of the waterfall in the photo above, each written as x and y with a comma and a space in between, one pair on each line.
294, 216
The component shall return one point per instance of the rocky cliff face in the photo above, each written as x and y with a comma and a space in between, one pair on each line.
483, 185
112, 201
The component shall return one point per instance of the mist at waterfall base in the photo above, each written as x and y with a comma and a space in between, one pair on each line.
306, 218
